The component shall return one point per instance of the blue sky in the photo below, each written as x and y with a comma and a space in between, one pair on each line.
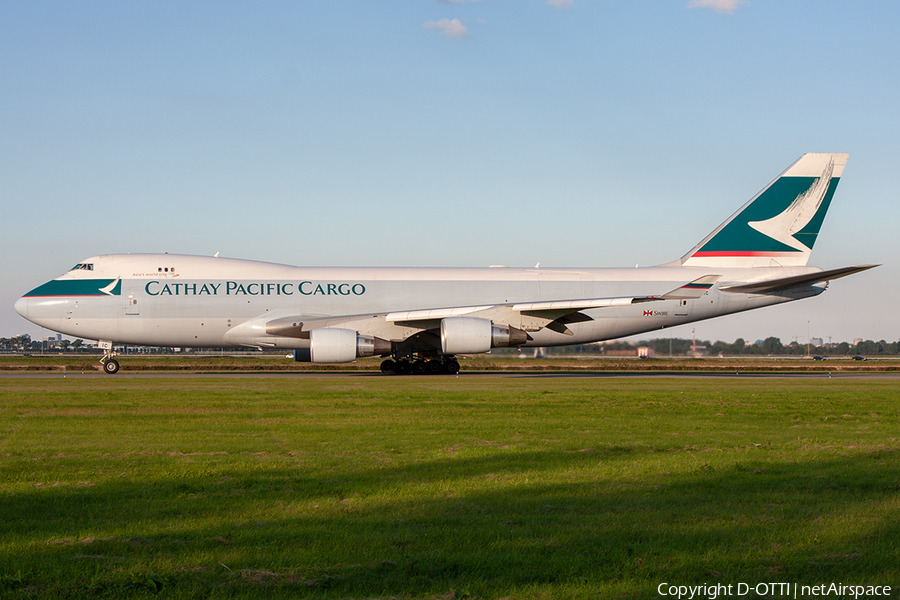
582, 133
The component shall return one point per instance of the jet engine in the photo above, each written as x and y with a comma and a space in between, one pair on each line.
469, 335
333, 345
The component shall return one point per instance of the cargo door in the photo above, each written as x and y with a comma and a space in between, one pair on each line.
683, 308
560, 285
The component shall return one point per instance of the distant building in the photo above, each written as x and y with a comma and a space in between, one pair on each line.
857, 341
698, 351
816, 341
646, 352
53, 341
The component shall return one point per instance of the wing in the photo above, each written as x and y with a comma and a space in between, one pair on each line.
527, 317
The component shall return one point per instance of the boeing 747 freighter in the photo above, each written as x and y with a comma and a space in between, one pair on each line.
419, 319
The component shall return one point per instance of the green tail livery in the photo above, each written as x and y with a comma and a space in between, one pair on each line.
779, 226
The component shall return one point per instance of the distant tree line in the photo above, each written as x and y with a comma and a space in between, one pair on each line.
769, 346
24, 343
682, 347
661, 346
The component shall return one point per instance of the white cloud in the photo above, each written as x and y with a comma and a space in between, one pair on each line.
452, 29
561, 3
720, 6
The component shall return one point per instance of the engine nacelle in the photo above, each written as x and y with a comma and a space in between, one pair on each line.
469, 335
334, 345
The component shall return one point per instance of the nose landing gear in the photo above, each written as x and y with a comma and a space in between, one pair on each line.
110, 365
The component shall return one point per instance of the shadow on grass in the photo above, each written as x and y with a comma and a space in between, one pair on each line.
487, 526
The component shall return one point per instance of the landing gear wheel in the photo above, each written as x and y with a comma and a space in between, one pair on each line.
419, 367
433, 367
111, 367
387, 366
402, 367
452, 367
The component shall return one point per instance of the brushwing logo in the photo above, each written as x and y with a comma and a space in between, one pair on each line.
111, 290
794, 218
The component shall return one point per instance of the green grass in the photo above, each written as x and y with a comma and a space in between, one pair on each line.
71, 362
372, 487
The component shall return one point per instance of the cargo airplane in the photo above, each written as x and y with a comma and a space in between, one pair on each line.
419, 319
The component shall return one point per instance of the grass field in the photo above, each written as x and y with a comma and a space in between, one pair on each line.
76, 363
481, 487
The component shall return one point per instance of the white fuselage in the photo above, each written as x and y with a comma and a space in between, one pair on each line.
193, 301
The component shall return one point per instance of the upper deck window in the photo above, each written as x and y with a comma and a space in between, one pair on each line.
83, 267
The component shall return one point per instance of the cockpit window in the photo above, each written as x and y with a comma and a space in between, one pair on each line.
83, 267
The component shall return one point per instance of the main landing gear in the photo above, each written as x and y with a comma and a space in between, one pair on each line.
403, 366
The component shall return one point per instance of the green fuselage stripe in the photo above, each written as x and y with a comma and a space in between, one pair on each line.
75, 287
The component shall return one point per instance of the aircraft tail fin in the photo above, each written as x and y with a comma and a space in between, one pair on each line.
778, 226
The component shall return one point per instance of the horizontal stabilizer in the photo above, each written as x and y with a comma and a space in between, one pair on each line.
775, 285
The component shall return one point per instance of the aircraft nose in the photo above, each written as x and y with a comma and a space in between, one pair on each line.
22, 306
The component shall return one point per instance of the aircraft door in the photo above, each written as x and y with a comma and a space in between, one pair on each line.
131, 306
683, 308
